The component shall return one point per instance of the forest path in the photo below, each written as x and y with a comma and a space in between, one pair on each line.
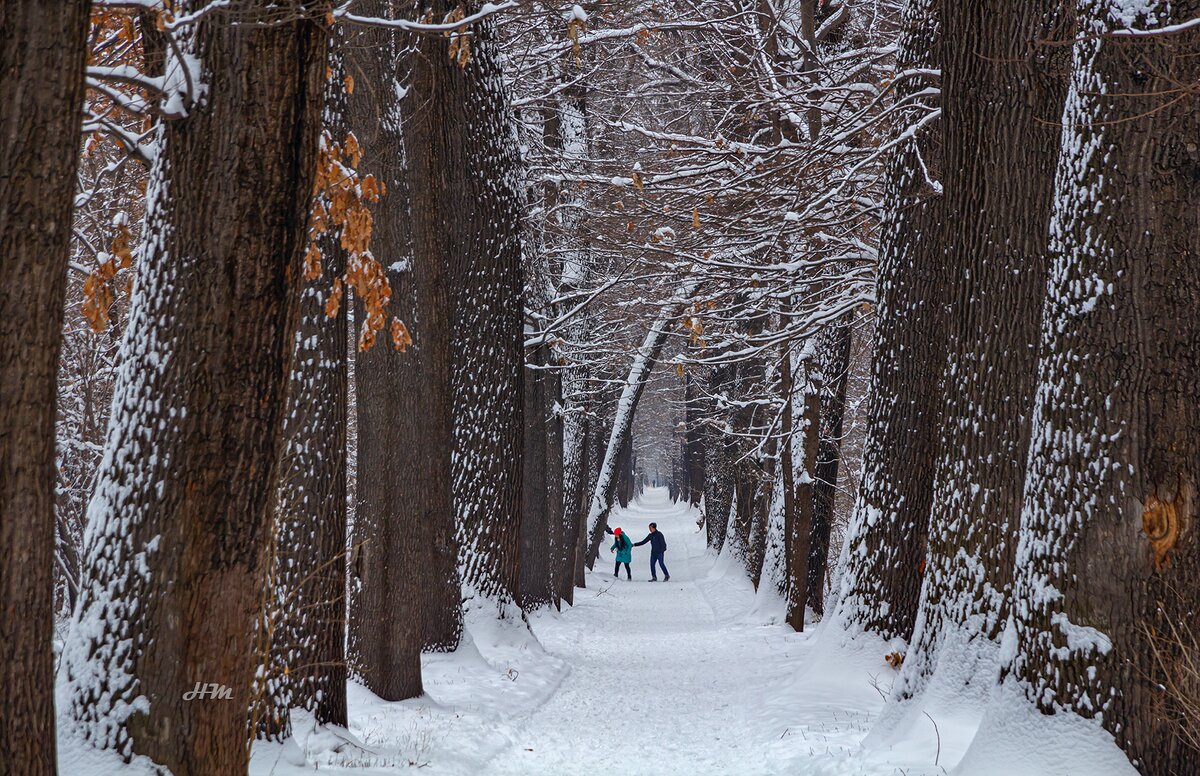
694, 677
659, 684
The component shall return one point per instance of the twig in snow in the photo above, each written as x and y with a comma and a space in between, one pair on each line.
937, 733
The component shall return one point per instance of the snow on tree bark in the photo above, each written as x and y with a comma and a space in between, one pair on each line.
302, 635
555, 511
478, 150
1108, 561
803, 459
42, 52
718, 475
885, 542
575, 455
999, 148
693, 444
177, 527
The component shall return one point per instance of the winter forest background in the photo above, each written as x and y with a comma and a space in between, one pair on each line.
334, 335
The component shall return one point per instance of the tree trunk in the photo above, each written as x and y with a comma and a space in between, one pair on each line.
799, 533
479, 166
718, 475
303, 631
43, 47
555, 512
834, 354
586, 483
1109, 556
400, 593
760, 528
575, 455
693, 445
179, 522
1002, 94
574, 136
605, 415
625, 488
887, 533
536, 524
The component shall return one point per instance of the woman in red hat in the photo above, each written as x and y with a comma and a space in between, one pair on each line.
623, 547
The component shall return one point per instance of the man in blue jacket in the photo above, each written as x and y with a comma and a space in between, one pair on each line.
658, 548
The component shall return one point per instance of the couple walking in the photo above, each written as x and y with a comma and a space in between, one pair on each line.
623, 546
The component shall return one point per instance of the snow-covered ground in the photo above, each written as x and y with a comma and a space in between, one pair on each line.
693, 677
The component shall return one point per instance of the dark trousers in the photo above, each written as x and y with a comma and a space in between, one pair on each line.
657, 557
617, 570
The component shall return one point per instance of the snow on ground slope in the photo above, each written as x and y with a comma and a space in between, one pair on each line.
694, 677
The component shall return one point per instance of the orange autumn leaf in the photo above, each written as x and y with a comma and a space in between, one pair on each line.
334, 302
312, 263
401, 339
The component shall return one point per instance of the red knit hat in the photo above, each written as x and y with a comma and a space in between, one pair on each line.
617, 532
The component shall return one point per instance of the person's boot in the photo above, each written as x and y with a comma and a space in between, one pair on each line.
652, 579
667, 578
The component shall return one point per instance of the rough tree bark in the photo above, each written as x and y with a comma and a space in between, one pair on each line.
834, 355
1001, 94
718, 475
605, 408
694, 473
403, 593
575, 457
479, 176
43, 46
303, 632
536, 525
886, 537
798, 531
1108, 563
625, 488
174, 572
555, 512
586, 483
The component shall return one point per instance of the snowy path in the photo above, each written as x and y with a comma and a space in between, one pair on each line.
694, 677
656, 681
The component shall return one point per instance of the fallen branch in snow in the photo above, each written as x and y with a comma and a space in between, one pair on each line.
937, 733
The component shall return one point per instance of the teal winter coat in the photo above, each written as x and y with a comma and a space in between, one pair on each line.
624, 547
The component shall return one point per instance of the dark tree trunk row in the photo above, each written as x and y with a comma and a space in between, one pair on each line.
483, 229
